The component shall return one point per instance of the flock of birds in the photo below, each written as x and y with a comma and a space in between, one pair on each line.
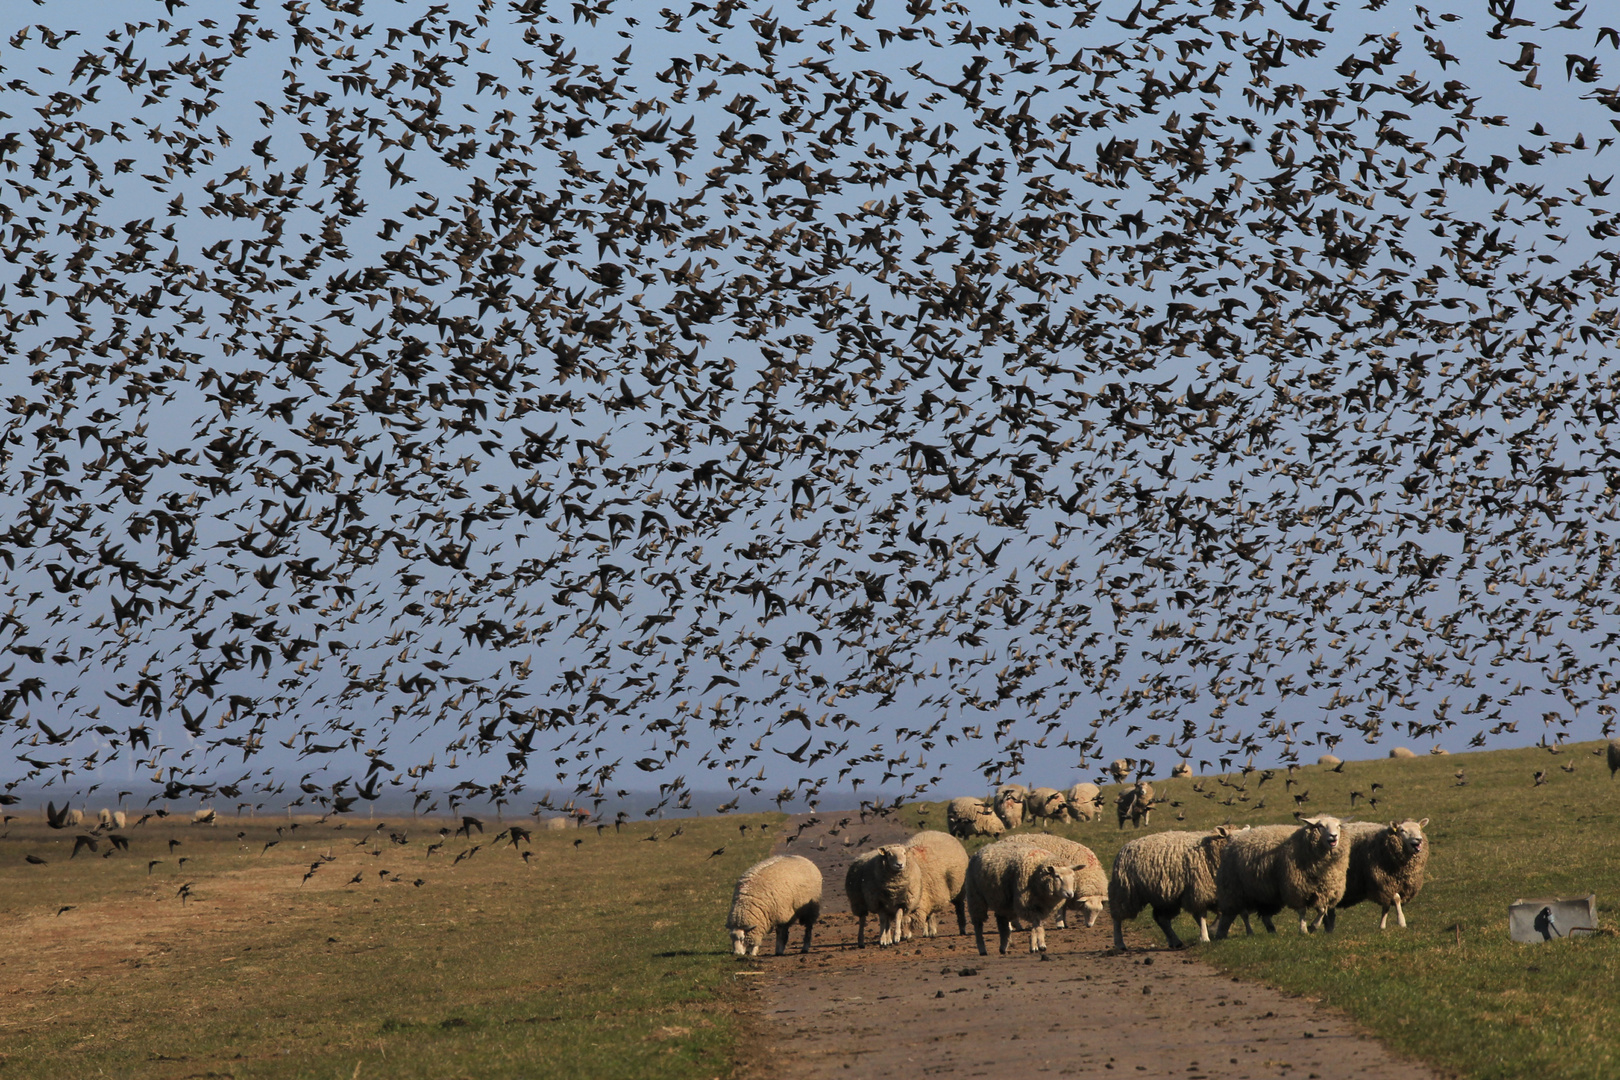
574, 398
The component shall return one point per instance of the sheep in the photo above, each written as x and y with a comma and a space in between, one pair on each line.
1090, 883
773, 895
554, 824
1269, 868
1401, 752
1085, 802
1021, 886
204, 817
855, 890
1386, 866
1046, 804
1614, 757
1170, 872
75, 817
944, 864
1016, 791
104, 819
1135, 803
1181, 770
1120, 770
1009, 807
1329, 760
1439, 751
967, 816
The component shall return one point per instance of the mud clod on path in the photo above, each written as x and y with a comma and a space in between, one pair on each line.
937, 1009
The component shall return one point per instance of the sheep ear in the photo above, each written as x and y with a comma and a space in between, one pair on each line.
1395, 826
1423, 824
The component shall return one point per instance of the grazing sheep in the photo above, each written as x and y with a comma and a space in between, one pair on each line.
1329, 760
1386, 866
1085, 802
1614, 757
1439, 751
1181, 771
772, 896
104, 819
1170, 872
1009, 808
554, 824
1135, 803
944, 863
1090, 882
1272, 867
75, 817
1401, 752
204, 817
1046, 804
967, 816
1021, 886
1016, 791
1120, 770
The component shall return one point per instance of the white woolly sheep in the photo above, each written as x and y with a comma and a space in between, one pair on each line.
1136, 803
1017, 791
204, 817
1021, 886
1329, 760
1272, 867
1085, 802
1046, 804
1090, 881
967, 816
886, 882
1401, 752
1386, 866
75, 817
1120, 769
1181, 771
772, 896
1009, 807
1169, 872
944, 863
104, 818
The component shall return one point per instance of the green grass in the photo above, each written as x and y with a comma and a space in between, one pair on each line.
1451, 989
606, 960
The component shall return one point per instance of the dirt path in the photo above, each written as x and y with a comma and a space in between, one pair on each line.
938, 1009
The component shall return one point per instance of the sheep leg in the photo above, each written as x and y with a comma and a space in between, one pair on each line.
1247, 928
1037, 938
902, 926
885, 929
1203, 928
1163, 920
1271, 927
978, 936
1223, 925
860, 933
809, 927
1400, 913
1383, 924
961, 916
782, 938
1003, 930
1119, 933
1331, 919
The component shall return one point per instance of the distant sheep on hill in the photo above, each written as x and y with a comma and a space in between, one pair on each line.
1401, 752
1181, 771
1085, 802
770, 897
967, 816
1046, 804
1135, 803
1120, 769
1009, 807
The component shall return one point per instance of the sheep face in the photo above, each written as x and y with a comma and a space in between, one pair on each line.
741, 945
1324, 833
1411, 837
893, 859
1052, 884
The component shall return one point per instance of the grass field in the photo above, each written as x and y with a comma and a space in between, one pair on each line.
608, 959
602, 960
1451, 989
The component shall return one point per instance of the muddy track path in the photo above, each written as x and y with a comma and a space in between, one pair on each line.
938, 1009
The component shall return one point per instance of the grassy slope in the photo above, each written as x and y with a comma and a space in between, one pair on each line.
1483, 1007
607, 960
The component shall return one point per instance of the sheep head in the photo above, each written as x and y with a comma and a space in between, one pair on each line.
1323, 832
1410, 835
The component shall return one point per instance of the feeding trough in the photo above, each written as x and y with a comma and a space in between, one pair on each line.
1552, 918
